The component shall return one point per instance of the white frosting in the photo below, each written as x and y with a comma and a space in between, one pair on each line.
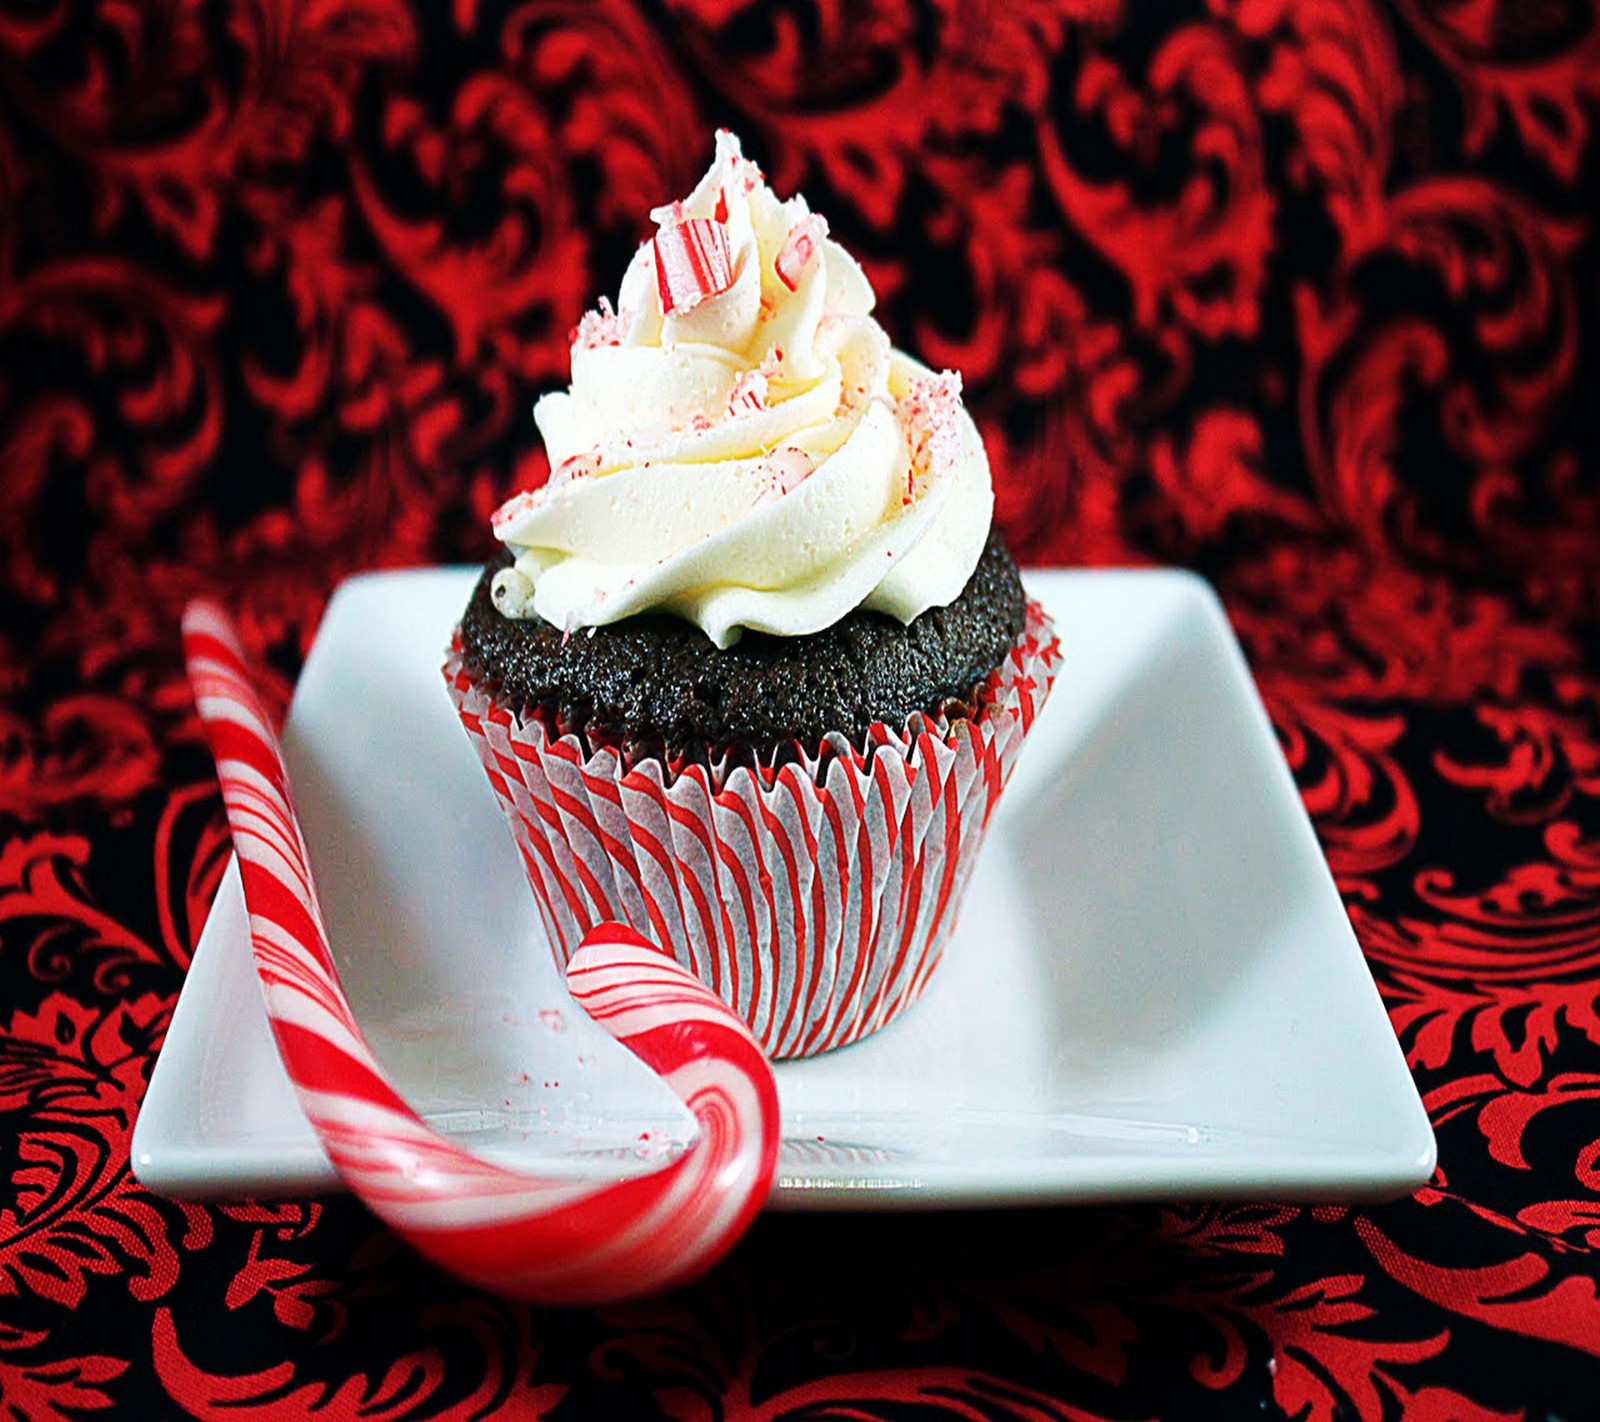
762, 459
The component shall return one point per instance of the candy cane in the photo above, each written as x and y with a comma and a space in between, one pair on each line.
557, 1241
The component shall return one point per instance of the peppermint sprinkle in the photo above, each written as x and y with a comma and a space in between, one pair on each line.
597, 328
804, 238
741, 169
750, 391
749, 394
782, 471
516, 505
579, 466
692, 263
928, 413
669, 214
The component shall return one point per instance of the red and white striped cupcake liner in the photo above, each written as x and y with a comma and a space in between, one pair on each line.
815, 898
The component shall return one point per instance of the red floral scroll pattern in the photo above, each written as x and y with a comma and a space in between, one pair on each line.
1303, 295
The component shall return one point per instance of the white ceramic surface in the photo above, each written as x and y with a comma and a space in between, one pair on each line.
1153, 989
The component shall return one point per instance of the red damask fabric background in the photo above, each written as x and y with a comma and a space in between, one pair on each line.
1304, 296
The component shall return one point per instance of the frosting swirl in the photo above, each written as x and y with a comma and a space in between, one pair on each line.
740, 445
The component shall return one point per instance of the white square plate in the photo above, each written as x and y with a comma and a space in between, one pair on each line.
1153, 989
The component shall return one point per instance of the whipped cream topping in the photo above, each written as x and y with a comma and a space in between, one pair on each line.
740, 444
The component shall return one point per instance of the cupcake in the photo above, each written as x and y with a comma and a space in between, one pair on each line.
752, 667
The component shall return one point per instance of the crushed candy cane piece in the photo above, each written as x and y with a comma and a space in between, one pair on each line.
602, 327
670, 214
750, 390
579, 466
749, 394
804, 238
928, 411
783, 471
747, 174
515, 505
692, 263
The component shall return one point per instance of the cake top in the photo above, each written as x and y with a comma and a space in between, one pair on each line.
655, 684
740, 444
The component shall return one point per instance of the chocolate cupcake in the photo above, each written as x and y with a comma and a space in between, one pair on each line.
753, 669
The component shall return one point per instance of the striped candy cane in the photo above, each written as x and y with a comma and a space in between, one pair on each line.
554, 1241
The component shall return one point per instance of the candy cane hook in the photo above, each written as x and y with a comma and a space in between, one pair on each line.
556, 1241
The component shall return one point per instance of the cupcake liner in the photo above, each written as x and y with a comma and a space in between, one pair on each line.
813, 894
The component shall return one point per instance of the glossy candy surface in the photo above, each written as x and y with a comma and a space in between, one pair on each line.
552, 1240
